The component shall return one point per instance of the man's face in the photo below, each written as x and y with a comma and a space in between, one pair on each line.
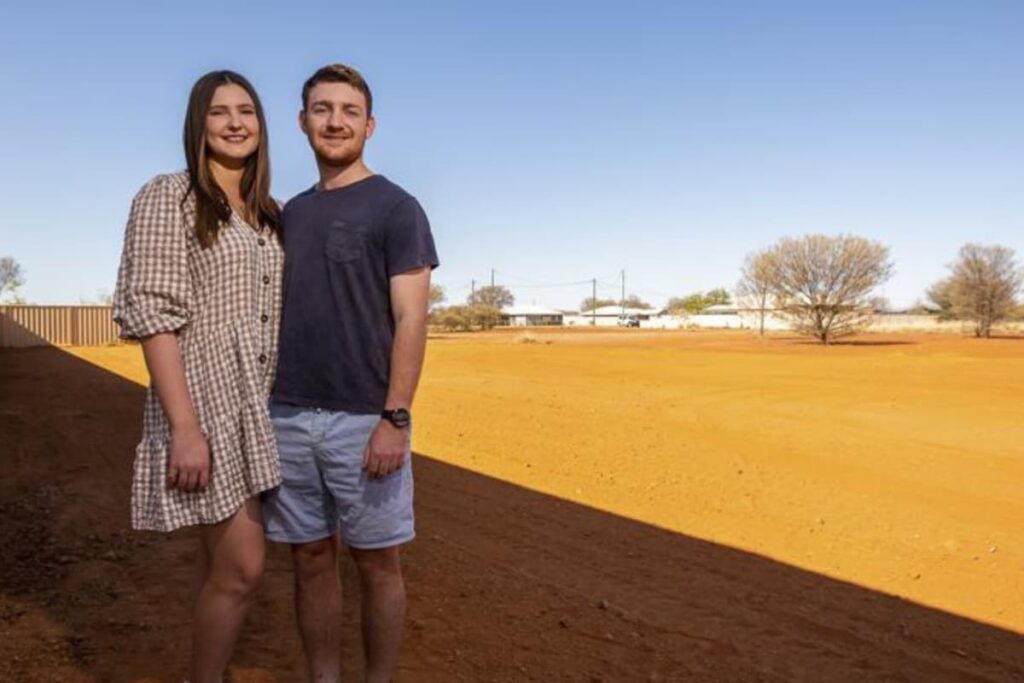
336, 123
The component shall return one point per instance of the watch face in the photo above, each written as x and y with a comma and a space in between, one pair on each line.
401, 417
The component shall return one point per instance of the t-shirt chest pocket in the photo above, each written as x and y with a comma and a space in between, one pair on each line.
346, 241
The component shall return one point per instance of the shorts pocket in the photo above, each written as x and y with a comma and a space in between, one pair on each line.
346, 242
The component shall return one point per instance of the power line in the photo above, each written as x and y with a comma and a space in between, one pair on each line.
551, 286
538, 283
611, 286
644, 290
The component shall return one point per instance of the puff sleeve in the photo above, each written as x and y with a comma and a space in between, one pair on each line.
152, 291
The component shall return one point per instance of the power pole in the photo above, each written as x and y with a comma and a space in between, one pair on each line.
593, 303
492, 277
623, 291
472, 289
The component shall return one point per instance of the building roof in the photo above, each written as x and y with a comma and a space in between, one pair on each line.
529, 309
618, 310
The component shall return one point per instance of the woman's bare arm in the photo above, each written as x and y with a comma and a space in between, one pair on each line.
189, 459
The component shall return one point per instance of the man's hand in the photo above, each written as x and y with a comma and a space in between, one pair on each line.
385, 453
188, 464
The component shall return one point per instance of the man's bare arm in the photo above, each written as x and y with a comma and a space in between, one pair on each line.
409, 305
386, 451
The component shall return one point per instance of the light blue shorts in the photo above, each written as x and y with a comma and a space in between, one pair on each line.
325, 488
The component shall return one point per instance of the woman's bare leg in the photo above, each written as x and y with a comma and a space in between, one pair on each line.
233, 552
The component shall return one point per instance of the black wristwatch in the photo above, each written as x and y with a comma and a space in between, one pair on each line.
400, 417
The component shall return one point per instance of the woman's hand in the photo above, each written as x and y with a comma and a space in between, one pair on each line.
188, 464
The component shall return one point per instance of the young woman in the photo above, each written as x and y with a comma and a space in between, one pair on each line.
199, 285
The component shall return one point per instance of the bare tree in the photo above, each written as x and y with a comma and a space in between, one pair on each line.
11, 275
436, 296
590, 303
497, 297
983, 286
823, 283
633, 301
482, 309
941, 294
483, 316
757, 282
880, 304
454, 318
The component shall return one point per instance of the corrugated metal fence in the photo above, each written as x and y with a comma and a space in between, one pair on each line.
56, 326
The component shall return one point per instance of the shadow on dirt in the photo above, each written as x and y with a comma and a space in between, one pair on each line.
505, 584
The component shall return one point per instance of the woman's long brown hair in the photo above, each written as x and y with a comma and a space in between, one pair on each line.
212, 207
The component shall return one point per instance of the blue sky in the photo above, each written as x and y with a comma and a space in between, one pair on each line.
553, 142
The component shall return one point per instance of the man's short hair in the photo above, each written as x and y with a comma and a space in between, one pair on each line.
339, 73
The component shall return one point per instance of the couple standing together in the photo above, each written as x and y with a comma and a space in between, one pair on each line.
317, 310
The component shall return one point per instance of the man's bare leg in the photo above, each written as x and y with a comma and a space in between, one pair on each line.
233, 562
383, 610
318, 607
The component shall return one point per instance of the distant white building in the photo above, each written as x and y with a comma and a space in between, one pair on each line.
608, 316
526, 315
721, 309
719, 316
735, 316
664, 321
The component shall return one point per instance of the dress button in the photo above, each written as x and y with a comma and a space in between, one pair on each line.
266, 279
261, 241
263, 358
264, 318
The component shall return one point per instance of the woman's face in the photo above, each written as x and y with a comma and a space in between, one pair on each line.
232, 128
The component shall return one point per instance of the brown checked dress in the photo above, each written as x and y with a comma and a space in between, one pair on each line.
224, 304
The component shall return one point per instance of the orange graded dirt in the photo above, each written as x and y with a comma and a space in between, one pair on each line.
896, 463
593, 506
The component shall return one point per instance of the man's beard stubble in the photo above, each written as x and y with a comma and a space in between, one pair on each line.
339, 161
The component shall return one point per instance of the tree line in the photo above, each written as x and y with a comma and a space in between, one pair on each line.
481, 311
822, 285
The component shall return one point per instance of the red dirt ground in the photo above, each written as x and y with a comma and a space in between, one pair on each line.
507, 583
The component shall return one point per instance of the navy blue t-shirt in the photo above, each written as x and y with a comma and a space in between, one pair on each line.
341, 249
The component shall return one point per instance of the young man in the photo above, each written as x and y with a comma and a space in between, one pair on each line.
358, 257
